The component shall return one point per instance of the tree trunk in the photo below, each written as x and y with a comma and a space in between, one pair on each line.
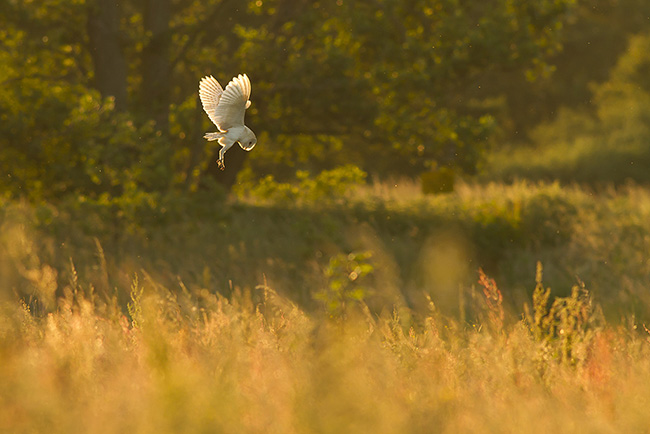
110, 70
156, 72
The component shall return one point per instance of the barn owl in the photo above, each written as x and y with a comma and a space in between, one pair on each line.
226, 109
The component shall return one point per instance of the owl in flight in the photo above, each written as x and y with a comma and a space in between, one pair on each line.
226, 109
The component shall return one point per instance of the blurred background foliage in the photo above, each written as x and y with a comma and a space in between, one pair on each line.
99, 98
607, 141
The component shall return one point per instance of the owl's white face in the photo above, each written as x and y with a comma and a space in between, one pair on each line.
248, 140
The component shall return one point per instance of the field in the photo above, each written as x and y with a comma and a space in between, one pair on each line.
444, 225
495, 308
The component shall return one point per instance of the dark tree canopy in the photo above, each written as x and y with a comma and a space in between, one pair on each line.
101, 97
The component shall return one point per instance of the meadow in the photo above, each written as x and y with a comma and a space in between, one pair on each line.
496, 308
143, 290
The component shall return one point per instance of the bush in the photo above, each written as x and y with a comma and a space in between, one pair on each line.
346, 276
102, 151
329, 186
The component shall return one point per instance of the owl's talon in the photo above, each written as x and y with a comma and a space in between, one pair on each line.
221, 165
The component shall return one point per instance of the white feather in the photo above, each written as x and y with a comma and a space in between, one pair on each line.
226, 109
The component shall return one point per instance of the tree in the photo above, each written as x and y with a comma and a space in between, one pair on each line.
60, 136
101, 95
105, 46
392, 85
594, 35
156, 73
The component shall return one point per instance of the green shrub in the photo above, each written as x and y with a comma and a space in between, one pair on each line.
346, 282
329, 186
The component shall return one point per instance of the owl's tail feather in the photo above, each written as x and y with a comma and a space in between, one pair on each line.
213, 136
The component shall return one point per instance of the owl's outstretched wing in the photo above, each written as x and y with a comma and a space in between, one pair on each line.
233, 103
210, 92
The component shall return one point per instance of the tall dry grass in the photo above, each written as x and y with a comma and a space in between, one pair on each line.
165, 329
182, 361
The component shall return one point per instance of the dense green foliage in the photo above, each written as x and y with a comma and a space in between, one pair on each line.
100, 98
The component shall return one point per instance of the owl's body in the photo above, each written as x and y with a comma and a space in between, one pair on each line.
226, 109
